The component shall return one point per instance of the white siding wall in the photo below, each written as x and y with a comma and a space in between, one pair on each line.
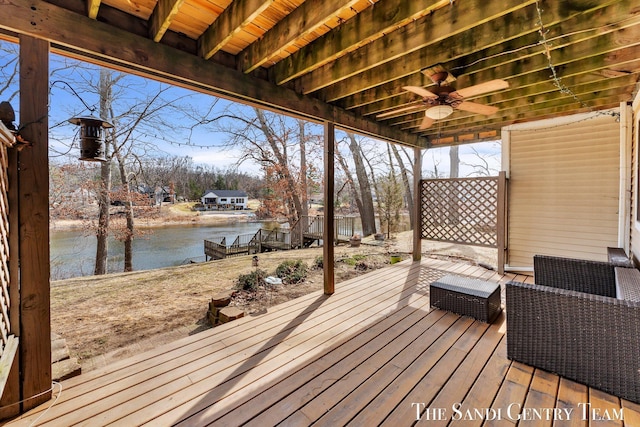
635, 182
564, 184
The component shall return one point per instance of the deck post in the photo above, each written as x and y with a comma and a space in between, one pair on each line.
329, 214
33, 205
417, 204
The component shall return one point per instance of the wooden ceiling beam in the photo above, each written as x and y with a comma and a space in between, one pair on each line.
238, 15
107, 45
162, 16
517, 29
427, 32
577, 47
370, 24
299, 24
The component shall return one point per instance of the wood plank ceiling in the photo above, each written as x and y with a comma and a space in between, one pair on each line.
348, 61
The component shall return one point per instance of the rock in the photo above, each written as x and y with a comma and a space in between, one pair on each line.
65, 369
221, 299
228, 314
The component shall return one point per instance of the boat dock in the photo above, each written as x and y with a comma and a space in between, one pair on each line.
304, 233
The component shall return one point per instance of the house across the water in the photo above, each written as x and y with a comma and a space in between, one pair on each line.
224, 199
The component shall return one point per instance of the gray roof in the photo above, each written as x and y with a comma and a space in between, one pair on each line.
227, 193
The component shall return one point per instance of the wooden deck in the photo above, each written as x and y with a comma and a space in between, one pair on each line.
374, 353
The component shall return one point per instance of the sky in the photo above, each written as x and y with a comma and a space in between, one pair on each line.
203, 144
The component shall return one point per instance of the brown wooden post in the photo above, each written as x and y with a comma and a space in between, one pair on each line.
329, 214
33, 200
501, 219
417, 204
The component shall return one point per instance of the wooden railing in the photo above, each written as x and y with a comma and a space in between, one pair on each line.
277, 238
344, 227
8, 341
308, 227
216, 247
245, 244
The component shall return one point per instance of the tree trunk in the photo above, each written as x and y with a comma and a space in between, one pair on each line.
376, 187
454, 161
303, 170
352, 184
454, 172
304, 213
281, 157
407, 184
367, 211
102, 233
129, 232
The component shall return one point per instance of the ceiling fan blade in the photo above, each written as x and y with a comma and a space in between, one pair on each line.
398, 111
420, 91
481, 88
426, 123
474, 107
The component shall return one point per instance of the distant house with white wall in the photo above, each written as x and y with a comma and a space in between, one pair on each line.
224, 199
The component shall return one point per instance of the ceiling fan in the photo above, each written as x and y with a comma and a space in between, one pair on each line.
443, 99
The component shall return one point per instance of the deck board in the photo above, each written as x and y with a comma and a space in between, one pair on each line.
374, 353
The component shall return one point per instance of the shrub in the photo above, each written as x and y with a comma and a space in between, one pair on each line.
292, 271
317, 263
354, 259
250, 282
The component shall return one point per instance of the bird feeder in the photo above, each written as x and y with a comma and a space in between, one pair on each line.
92, 146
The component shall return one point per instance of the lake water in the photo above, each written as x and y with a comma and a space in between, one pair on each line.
73, 254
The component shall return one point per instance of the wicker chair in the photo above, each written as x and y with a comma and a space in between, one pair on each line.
570, 323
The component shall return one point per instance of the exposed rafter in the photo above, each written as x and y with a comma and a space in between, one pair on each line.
92, 8
234, 19
161, 18
422, 36
518, 29
311, 15
371, 24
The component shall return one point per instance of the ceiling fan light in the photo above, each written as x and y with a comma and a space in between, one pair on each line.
438, 112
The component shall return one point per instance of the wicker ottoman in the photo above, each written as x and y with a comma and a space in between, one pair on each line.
469, 297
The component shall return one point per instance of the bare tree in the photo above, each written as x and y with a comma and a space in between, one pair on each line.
404, 173
484, 162
278, 144
454, 161
138, 109
105, 90
366, 208
8, 71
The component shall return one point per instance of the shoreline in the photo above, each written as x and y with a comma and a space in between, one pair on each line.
169, 219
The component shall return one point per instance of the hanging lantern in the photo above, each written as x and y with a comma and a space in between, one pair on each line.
92, 147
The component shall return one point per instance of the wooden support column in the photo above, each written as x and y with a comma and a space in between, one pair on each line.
329, 208
33, 200
501, 219
417, 204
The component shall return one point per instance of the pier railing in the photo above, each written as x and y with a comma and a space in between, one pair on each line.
344, 227
306, 230
217, 248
